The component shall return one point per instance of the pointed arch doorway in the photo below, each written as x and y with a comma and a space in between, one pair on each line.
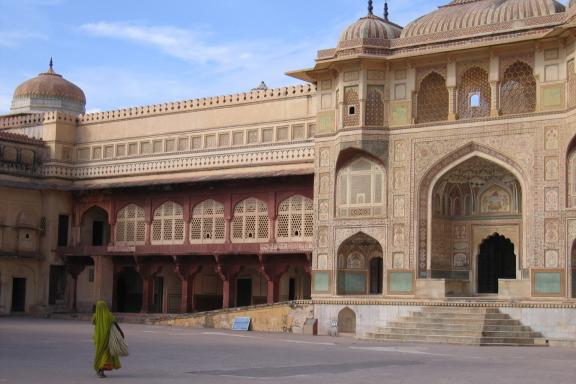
496, 260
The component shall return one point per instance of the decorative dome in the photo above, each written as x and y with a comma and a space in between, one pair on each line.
48, 91
463, 14
370, 31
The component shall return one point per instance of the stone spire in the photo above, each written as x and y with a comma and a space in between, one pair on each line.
370, 7
386, 10
51, 67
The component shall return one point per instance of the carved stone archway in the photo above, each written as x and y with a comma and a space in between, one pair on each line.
439, 169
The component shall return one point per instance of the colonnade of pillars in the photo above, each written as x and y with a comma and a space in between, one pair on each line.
187, 269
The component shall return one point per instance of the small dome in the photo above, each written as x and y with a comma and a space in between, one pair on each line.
48, 92
369, 29
463, 14
50, 84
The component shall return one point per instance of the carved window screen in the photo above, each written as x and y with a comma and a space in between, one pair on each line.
130, 226
474, 82
432, 99
295, 220
250, 223
375, 105
168, 224
207, 224
361, 189
518, 90
571, 77
352, 107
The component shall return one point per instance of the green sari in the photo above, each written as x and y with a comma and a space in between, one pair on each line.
103, 320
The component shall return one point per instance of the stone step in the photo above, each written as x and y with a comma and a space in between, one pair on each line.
450, 332
460, 321
443, 339
472, 316
460, 310
458, 325
469, 327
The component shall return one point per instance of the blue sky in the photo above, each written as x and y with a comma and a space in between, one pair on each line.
127, 53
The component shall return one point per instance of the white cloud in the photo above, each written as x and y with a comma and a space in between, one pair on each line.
16, 38
187, 45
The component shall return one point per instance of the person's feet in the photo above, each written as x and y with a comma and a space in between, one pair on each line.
101, 374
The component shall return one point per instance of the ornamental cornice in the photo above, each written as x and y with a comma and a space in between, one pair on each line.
199, 161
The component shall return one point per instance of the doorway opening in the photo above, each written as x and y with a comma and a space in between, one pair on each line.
18, 295
347, 321
292, 289
243, 292
495, 261
157, 295
129, 291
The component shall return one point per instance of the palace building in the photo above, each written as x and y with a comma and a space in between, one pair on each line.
431, 164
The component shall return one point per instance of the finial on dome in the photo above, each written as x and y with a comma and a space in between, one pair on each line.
386, 10
370, 7
51, 66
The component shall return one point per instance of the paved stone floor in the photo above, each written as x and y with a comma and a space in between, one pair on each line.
54, 351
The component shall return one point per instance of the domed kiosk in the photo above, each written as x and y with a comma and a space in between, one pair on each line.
369, 33
48, 92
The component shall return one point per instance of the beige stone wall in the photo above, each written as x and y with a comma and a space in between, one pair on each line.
29, 234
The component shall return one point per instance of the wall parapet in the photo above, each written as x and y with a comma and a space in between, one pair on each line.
200, 103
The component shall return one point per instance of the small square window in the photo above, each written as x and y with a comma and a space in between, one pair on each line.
474, 99
351, 110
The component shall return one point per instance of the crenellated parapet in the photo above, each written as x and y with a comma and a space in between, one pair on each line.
201, 103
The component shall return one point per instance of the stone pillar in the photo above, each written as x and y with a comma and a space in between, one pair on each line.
103, 279
494, 98
227, 273
187, 274
494, 78
273, 272
148, 273
452, 99
74, 270
148, 283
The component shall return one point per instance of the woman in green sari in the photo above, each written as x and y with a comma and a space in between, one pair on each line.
103, 320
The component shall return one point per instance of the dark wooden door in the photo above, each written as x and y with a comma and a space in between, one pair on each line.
18, 295
97, 233
244, 292
495, 261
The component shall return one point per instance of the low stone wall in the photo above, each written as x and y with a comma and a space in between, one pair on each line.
277, 318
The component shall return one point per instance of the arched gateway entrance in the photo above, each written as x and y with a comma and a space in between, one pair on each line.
476, 222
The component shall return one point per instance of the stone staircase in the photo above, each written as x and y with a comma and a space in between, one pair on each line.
458, 325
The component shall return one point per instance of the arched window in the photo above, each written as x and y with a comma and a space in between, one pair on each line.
130, 226
207, 224
361, 189
474, 94
250, 223
432, 101
518, 90
168, 224
295, 219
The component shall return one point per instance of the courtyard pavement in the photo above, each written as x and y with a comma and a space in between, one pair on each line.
56, 351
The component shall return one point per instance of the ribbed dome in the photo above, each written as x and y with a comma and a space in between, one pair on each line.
370, 29
50, 84
462, 14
